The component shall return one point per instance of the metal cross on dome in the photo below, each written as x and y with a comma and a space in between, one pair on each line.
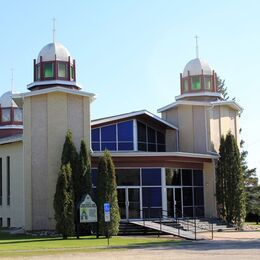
197, 47
54, 29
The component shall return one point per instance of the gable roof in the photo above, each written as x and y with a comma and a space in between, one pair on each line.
134, 114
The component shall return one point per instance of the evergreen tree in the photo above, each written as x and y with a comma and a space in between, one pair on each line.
249, 175
220, 180
222, 88
230, 182
85, 180
70, 155
253, 203
63, 203
107, 192
84, 184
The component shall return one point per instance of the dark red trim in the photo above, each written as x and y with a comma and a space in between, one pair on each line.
34, 70
10, 132
74, 70
155, 161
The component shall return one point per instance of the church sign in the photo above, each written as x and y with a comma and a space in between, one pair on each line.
88, 210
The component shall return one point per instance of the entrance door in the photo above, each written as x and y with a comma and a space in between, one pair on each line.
174, 202
129, 203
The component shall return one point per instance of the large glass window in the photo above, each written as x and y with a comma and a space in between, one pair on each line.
108, 137
187, 197
62, 70
160, 142
152, 197
48, 70
198, 196
151, 177
95, 139
186, 177
128, 177
152, 202
197, 178
125, 135
113, 137
6, 115
191, 185
173, 177
195, 83
18, 115
142, 137
149, 139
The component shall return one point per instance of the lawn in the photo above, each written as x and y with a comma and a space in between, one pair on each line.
252, 224
21, 245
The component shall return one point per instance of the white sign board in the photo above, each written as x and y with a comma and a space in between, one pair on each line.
88, 210
107, 212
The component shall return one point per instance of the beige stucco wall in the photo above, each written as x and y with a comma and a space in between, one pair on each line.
199, 129
185, 123
47, 119
222, 120
191, 121
209, 189
14, 211
171, 140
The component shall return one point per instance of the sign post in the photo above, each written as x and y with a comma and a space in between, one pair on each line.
107, 218
87, 210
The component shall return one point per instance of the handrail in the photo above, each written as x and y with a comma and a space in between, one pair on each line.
185, 221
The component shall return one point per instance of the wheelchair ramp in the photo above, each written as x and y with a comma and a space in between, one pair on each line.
166, 229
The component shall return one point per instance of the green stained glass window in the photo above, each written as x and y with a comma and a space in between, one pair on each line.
195, 83
186, 85
207, 83
62, 70
48, 70
71, 72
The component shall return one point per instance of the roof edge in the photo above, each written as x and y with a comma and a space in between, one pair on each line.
131, 114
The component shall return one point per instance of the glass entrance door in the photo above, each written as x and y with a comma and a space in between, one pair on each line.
129, 203
174, 202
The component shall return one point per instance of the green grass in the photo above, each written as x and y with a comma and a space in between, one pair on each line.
252, 224
21, 245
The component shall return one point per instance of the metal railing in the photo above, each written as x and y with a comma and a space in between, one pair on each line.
185, 223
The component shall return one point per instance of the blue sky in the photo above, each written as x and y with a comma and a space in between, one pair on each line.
130, 52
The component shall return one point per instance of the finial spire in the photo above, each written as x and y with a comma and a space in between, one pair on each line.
12, 80
197, 47
54, 29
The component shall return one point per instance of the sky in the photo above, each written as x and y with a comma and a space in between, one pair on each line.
130, 53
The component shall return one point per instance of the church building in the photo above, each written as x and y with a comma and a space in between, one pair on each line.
164, 165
